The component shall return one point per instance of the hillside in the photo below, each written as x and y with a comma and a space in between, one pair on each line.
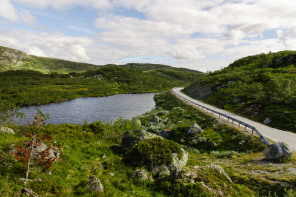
260, 87
114, 159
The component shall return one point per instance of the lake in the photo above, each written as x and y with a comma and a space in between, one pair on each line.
92, 109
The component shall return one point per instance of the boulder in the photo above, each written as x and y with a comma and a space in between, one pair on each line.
141, 175
194, 129
131, 138
7, 130
95, 184
267, 121
277, 151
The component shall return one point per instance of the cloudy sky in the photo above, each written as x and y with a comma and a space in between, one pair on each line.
198, 34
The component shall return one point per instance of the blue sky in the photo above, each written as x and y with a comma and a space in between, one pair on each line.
201, 35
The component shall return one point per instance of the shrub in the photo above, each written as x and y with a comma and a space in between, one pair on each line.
153, 151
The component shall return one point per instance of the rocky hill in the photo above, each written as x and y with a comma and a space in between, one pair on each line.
261, 87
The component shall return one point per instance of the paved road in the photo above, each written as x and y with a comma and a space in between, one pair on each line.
271, 133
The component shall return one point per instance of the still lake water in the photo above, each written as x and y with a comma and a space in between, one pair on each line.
92, 109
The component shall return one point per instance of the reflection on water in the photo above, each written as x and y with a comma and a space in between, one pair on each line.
93, 109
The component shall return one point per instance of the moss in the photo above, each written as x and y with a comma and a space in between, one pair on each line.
153, 151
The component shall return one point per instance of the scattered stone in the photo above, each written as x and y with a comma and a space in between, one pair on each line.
267, 121
95, 184
141, 175
111, 174
7, 130
104, 156
194, 129
49, 173
277, 151
131, 138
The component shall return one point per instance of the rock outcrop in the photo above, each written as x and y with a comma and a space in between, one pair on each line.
277, 151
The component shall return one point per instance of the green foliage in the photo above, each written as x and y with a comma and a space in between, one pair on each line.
257, 87
155, 151
225, 154
27, 87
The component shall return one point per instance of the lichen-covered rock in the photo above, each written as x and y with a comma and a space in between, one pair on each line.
7, 130
131, 138
141, 175
95, 184
277, 151
220, 170
194, 129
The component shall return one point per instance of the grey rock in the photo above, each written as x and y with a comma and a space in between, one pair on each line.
7, 130
164, 172
104, 156
194, 129
95, 184
53, 153
277, 151
220, 170
131, 138
141, 175
267, 121
165, 133
177, 163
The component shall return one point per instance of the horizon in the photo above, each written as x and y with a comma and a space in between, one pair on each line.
203, 36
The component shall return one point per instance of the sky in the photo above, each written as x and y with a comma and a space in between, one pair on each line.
203, 35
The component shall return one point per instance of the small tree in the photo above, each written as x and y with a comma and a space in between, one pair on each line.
29, 153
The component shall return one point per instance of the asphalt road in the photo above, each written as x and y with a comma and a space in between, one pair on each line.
268, 132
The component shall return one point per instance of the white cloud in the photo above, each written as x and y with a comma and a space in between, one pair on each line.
7, 11
48, 44
194, 33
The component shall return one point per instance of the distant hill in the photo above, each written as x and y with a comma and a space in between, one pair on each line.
258, 87
12, 59
270, 60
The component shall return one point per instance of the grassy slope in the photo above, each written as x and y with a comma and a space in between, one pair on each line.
257, 87
84, 146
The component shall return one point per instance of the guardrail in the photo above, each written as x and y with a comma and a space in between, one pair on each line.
228, 118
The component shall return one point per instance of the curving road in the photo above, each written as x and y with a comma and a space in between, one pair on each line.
271, 133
